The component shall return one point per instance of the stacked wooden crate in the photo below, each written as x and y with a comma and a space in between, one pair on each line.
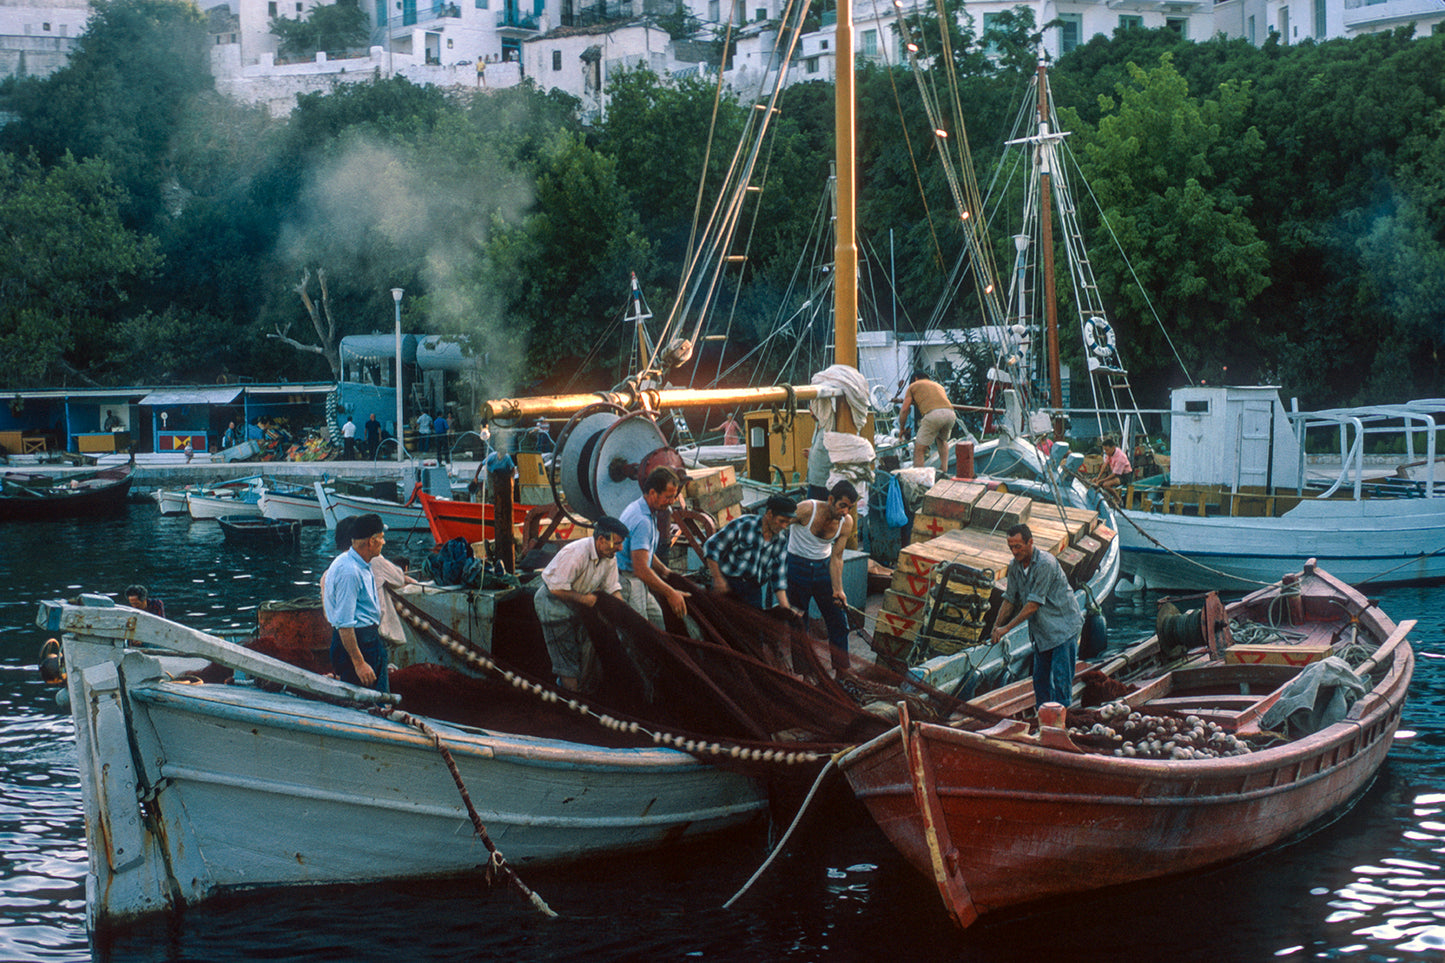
967, 523
715, 492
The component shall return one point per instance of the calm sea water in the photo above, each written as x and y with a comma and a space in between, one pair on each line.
1370, 886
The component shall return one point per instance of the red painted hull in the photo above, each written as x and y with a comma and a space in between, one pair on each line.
1001, 821
472, 521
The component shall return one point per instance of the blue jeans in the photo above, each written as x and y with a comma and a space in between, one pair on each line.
373, 650
1054, 674
808, 578
747, 590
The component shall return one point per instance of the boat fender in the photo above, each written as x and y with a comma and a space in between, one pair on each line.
52, 663
1095, 637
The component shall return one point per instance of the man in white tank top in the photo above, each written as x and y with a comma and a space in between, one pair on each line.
815, 563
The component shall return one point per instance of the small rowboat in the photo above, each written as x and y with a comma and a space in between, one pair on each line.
1248, 724
255, 529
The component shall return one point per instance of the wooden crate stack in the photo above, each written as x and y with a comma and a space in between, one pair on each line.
715, 492
966, 522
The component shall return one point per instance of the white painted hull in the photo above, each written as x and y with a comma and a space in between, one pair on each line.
290, 507
248, 789
214, 506
1383, 541
402, 518
170, 502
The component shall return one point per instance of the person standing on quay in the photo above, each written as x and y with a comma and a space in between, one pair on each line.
440, 428
373, 435
348, 439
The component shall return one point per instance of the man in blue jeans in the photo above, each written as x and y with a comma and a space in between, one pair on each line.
815, 563
1039, 592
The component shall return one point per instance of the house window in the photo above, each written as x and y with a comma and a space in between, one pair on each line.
714, 11
990, 24
298, 10
811, 65
1131, 21
556, 60
481, 4
870, 43
1284, 23
740, 15
271, 9
823, 45
1179, 25
1071, 29
760, 13
1320, 24
1249, 31
449, 43
45, 26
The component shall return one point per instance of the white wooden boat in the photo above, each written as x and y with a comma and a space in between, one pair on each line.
192, 790
212, 505
1242, 502
397, 517
291, 504
171, 502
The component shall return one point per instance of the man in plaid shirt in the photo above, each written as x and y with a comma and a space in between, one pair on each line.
752, 553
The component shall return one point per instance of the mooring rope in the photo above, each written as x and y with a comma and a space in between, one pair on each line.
807, 800
497, 863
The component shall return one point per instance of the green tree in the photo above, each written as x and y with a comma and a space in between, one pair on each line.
134, 74
1155, 164
333, 28
65, 264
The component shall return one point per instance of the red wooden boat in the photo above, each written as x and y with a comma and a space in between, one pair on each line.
1021, 812
451, 519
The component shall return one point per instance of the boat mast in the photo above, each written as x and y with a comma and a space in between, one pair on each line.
1046, 239
845, 254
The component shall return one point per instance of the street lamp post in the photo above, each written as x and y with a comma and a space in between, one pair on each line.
400, 433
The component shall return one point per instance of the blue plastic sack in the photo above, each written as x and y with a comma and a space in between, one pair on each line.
897, 514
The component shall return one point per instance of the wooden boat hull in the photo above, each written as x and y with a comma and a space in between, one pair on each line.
472, 521
170, 502
997, 820
202, 507
402, 518
244, 788
1387, 541
291, 506
251, 530
103, 493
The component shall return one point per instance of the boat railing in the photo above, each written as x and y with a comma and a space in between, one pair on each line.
1353, 425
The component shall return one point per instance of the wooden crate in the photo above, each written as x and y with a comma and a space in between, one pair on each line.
1049, 534
702, 481
1090, 520
728, 514
1000, 511
891, 647
953, 499
1074, 563
713, 502
1276, 654
900, 603
927, 526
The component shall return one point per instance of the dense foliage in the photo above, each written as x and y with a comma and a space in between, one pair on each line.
1282, 208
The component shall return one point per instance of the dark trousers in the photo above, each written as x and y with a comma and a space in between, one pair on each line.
808, 579
373, 650
348, 448
748, 590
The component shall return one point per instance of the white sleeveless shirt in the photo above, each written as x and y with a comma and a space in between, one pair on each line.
803, 543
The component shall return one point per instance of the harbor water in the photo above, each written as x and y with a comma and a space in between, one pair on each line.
1368, 886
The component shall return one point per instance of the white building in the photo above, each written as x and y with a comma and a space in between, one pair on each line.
1295, 21
36, 38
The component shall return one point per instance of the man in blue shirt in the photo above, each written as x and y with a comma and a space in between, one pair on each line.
357, 653
439, 429
642, 571
1039, 593
751, 554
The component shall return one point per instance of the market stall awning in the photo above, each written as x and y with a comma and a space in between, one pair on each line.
193, 396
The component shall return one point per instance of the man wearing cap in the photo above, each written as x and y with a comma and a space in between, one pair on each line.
642, 571
574, 578
751, 554
357, 653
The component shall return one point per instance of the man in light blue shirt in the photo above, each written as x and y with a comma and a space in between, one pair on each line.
358, 654
642, 571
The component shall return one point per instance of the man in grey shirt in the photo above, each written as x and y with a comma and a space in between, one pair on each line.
1039, 592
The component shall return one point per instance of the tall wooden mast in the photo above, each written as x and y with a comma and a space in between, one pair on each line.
845, 253
1046, 241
